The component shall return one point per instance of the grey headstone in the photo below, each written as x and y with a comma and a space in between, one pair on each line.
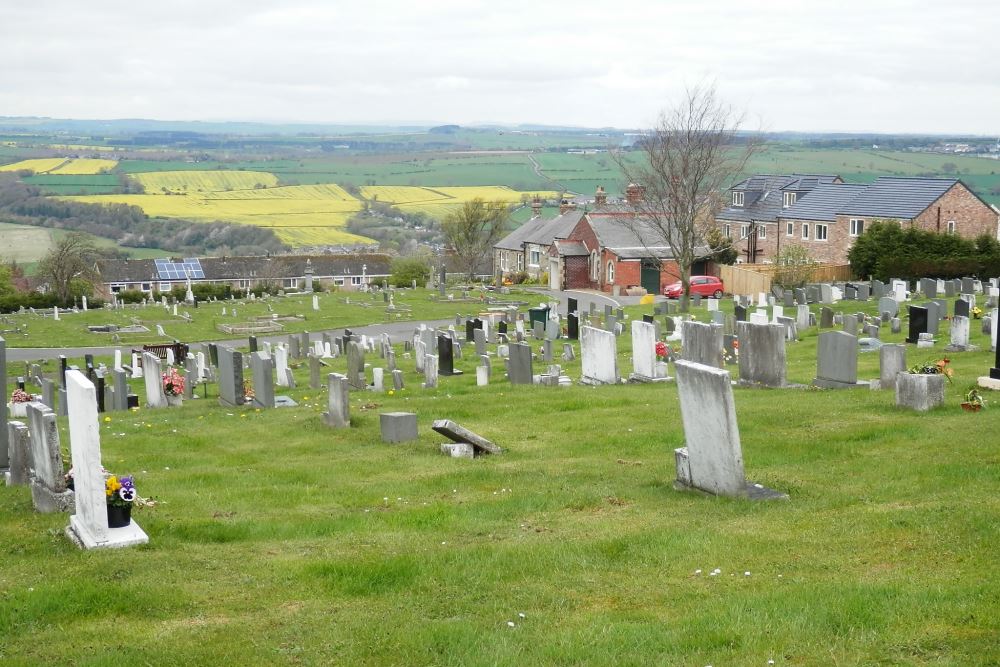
262, 371
457, 433
762, 354
837, 360
919, 392
398, 426
892, 360
519, 370
338, 414
702, 343
230, 377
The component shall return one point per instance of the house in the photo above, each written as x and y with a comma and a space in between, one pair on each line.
291, 272
526, 249
825, 215
755, 203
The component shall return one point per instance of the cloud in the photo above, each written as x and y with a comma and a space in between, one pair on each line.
888, 66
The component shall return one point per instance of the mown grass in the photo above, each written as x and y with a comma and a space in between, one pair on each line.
279, 541
337, 310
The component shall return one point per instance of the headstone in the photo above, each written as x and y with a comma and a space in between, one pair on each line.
802, 317
230, 377
480, 339
153, 379
519, 369
864, 292
919, 392
398, 426
48, 484
892, 361
314, 365
48, 398
961, 308
644, 366
837, 360
456, 433
878, 289
599, 354
702, 343
3, 402
482, 376
253, 344
281, 370
338, 412
825, 318
17, 458
88, 526
918, 323
712, 459
762, 354
959, 334
119, 391
355, 365
430, 371
826, 293
446, 356
851, 324
934, 314
262, 371
968, 285
397, 380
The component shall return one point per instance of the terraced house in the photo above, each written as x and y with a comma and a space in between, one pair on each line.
824, 215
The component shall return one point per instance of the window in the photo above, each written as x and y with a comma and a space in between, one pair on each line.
761, 232
339, 282
857, 226
293, 283
951, 226
243, 284
611, 271
503, 260
820, 232
805, 230
520, 261
356, 280
118, 287
728, 231
146, 287
789, 199
595, 266
737, 199
164, 287
534, 257
744, 231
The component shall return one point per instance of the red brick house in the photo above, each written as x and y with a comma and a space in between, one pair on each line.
611, 249
825, 215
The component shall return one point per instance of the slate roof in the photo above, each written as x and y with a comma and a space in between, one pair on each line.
763, 197
541, 231
634, 238
824, 202
243, 268
571, 248
894, 197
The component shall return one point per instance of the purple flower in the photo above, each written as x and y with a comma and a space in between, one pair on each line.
127, 483
126, 494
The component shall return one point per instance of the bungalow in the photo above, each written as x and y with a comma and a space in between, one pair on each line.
291, 272
526, 249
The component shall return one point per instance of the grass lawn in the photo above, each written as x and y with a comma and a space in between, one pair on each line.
276, 540
335, 313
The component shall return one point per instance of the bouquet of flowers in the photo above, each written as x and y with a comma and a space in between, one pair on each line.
662, 350
939, 367
21, 396
173, 383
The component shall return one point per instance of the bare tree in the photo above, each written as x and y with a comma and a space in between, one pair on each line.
473, 230
685, 162
73, 257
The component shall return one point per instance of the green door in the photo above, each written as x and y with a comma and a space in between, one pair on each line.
650, 277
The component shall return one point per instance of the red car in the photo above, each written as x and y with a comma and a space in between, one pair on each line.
703, 285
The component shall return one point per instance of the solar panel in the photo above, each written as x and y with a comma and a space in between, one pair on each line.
190, 267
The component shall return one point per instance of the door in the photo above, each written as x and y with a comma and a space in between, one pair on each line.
650, 277
555, 281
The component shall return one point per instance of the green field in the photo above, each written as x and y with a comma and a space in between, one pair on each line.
276, 540
95, 184
26, 244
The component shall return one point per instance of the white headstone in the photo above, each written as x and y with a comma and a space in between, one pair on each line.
136, 371
281, 365
55, 312
89, 524
152, 378
83, 302
315, 302
644, 349
118, 360
599, 355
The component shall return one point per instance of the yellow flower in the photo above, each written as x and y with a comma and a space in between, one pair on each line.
111, 485
107, 420
391, 392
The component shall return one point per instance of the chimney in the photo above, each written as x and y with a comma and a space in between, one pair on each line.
536, 207
600, 197
566, 205
634, 193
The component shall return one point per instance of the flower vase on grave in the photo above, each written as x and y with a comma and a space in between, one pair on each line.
119, 516
175, 401
17, 409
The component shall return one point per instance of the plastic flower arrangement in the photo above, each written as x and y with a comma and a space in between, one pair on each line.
120, 491
662, 350
21, 396
173, 383
939, 367
976, 312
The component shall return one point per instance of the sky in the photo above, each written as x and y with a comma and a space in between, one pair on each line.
872, 66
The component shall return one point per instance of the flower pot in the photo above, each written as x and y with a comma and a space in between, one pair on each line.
17, 409
972, 407
119, 516
175, 401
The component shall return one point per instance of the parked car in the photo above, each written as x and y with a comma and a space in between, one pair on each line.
703, 285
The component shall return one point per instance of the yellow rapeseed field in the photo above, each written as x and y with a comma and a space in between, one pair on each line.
82, 166
62, 166
39, 166
203, 181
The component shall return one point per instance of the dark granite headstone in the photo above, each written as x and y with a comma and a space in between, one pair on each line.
961, 308
740, 312
446, 356
918, 323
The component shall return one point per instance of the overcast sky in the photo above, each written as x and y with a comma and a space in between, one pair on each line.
873, 65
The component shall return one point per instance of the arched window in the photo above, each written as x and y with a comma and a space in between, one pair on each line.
595, 266
611, 272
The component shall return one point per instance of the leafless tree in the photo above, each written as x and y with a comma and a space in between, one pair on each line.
472, 230
682, 167
73, 257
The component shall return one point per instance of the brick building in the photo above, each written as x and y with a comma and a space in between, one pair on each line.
526, 249
825, 215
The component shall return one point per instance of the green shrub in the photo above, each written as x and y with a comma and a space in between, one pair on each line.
407, 269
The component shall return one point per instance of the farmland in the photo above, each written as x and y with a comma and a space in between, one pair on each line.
203, 181
62, 166
439, 201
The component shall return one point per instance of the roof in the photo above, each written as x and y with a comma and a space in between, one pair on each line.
630, 237
824, 202
242, 268
541, 231
571, 248
763, 198
894, 197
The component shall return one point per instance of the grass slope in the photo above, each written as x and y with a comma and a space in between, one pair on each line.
279, 541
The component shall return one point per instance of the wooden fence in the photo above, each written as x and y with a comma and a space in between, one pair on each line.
754, 278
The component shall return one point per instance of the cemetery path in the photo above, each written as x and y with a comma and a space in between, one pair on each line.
398, 332
585, 297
